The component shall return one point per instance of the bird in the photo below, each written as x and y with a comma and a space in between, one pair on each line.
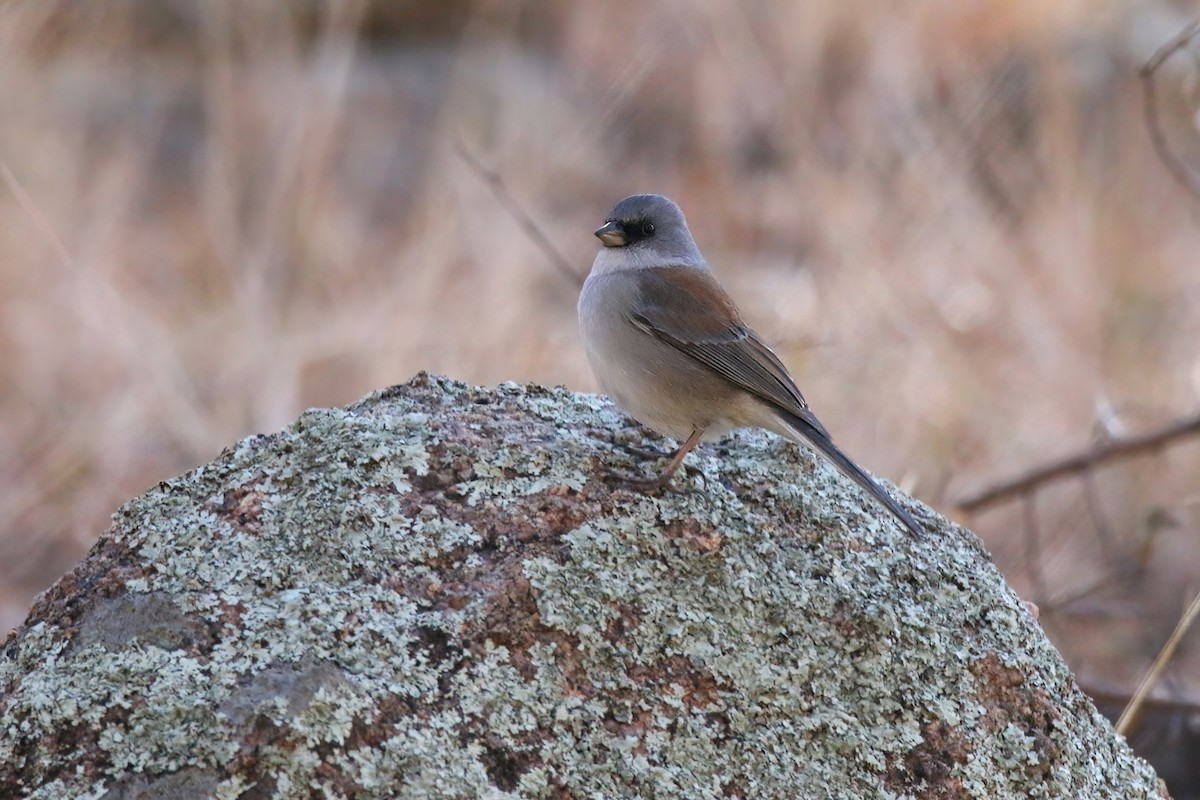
667, 343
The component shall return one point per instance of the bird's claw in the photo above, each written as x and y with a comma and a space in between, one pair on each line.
657, 483
648, 453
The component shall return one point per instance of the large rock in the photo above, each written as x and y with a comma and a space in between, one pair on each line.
435, 593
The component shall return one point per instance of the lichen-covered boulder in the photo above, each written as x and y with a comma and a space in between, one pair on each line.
435, 593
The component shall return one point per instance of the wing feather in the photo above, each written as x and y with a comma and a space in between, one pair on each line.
686, 308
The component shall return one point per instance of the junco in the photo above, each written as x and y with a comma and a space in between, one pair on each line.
668, 345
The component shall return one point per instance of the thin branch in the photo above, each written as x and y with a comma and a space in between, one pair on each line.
40, 221
1033, 549
1100, 523
1081, 462
1180, 171
1121, 698
519, 215
1062, 605
1130, 715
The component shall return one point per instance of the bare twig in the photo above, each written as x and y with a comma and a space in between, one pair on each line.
41, 222
1081, 462
1063, 604
1100, 523
522, 218
1180, 171
1130, 715
1104, 696
1033, 550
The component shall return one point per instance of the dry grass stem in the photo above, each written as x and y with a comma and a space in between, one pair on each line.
1129, 717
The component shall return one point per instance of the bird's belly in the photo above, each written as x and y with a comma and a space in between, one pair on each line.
656, 384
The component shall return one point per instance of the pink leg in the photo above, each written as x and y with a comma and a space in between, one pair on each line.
664, 478
684, 449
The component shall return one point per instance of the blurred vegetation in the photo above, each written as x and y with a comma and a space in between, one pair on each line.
948, 216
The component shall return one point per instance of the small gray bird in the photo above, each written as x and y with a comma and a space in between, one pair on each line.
668, 345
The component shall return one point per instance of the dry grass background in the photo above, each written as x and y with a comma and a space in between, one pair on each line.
947, 215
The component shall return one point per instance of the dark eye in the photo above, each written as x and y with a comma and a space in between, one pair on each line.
647, 229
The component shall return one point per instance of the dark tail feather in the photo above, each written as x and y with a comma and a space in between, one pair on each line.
819, 439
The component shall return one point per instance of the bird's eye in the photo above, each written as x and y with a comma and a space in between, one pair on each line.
647, 228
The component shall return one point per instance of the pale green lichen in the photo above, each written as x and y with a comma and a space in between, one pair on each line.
432, 594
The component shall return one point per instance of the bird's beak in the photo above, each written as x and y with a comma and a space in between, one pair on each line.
611, 234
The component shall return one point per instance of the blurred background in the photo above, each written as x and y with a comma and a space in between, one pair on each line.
947, 216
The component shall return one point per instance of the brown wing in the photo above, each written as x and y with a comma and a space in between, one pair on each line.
688, 309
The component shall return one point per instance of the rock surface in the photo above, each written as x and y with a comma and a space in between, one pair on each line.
434, 593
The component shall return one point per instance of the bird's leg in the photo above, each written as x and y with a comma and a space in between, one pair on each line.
664, 478
677, 460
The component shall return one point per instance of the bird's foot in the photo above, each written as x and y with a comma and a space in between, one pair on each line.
657, 483
648, 453
624, 439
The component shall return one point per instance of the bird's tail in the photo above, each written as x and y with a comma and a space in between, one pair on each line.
816, 436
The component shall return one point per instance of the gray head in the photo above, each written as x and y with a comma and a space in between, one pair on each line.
646, 230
